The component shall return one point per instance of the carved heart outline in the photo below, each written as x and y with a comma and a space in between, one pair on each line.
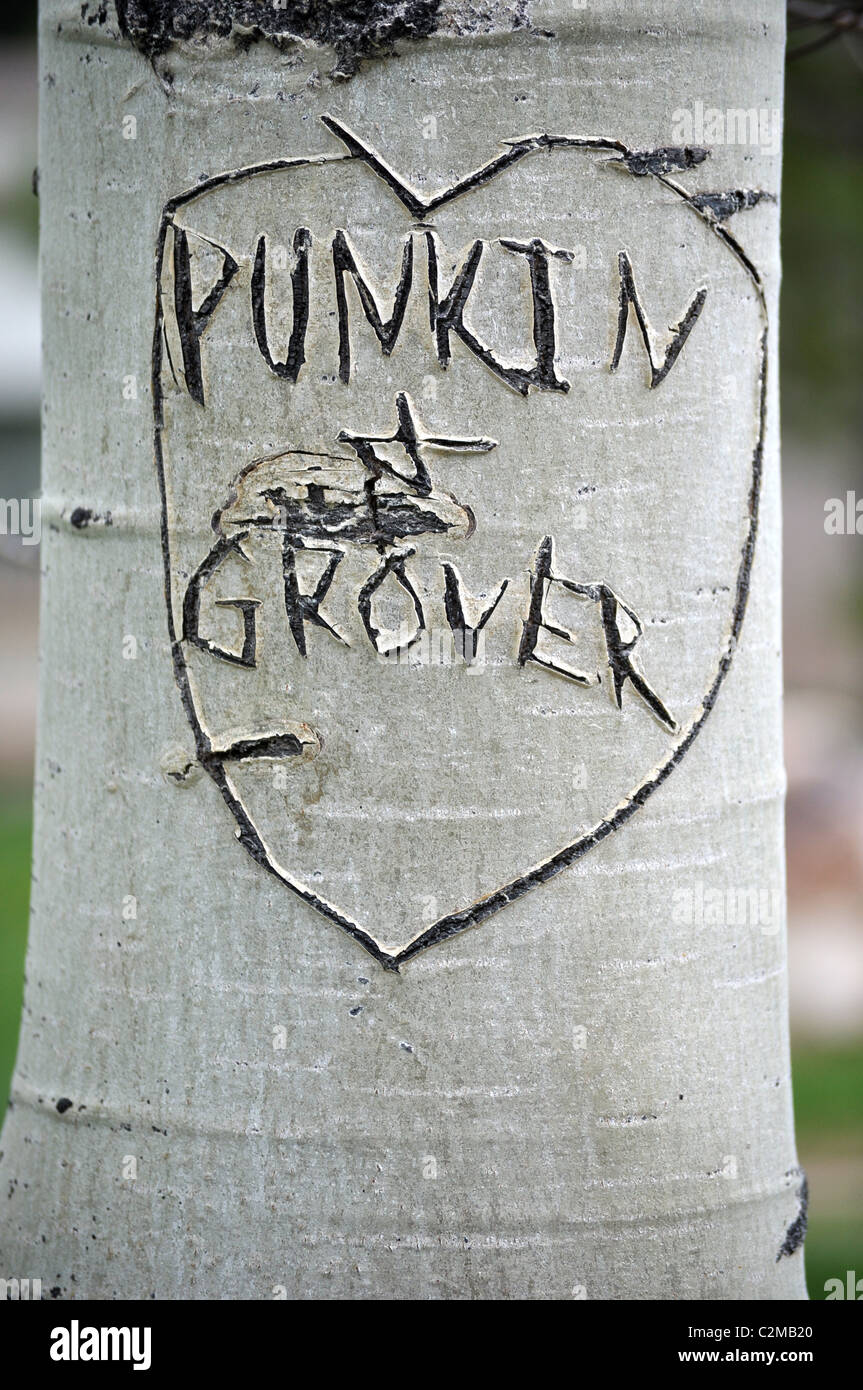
656, 165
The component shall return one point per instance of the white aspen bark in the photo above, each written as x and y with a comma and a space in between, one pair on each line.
365, 962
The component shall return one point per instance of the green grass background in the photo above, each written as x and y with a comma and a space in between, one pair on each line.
15, 834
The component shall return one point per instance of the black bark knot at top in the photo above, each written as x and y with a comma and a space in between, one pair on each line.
356, 29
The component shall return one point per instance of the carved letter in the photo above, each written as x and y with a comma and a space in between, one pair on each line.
192, 322
303, 608
393, 564
543, 375
290, 368
386, 333
192, 605
621, 663
536, 621
680, 332
455, 614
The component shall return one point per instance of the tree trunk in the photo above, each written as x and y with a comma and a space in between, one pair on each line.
408, 907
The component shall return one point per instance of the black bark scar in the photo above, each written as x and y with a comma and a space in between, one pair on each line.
356, 29
796, 1233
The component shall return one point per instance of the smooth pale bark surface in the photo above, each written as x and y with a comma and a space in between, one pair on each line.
220, 1093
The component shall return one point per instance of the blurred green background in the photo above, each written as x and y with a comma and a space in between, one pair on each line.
822, 351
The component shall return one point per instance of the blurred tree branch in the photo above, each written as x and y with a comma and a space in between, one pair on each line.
831, 20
